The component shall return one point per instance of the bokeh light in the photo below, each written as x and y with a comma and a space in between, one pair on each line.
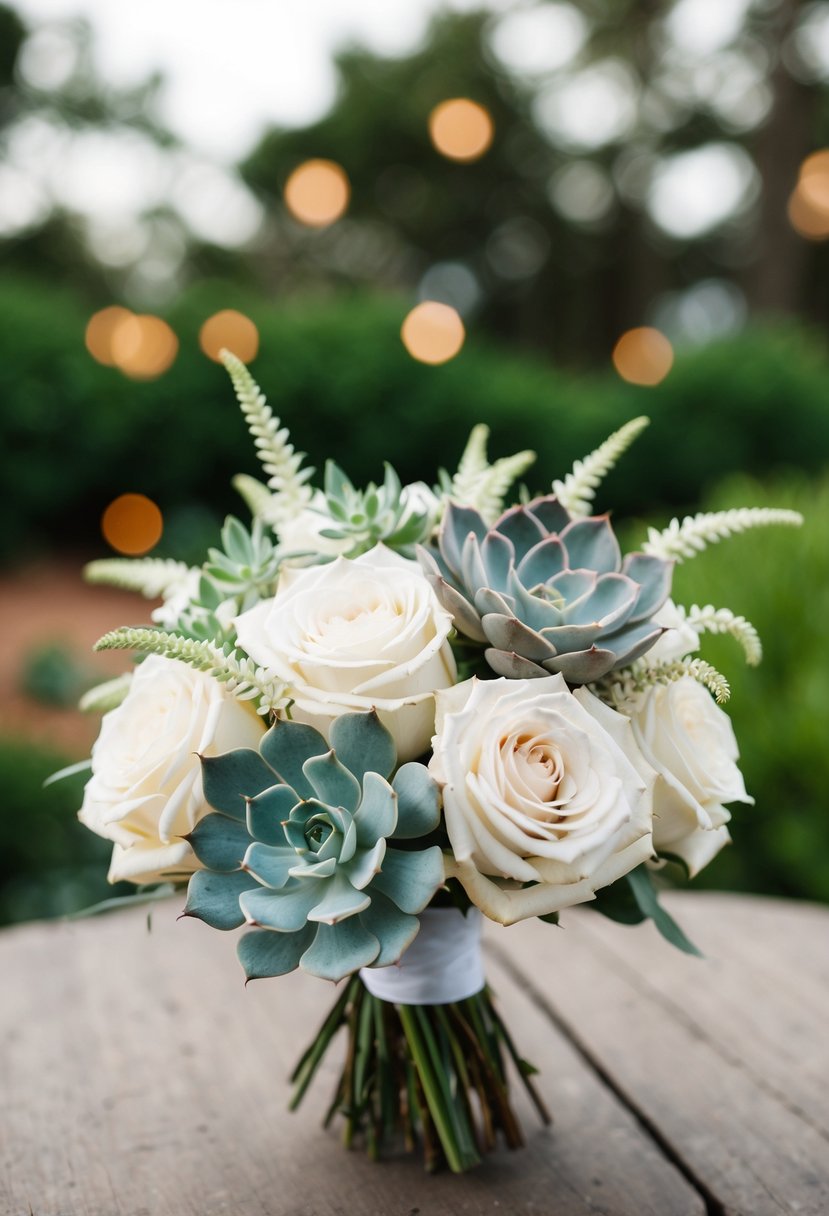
433, 332
809, 202
461, 129
317, 193
100, 330
229, 330
143, 347
643, 356
132, 524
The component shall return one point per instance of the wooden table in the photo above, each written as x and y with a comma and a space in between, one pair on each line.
140, 1078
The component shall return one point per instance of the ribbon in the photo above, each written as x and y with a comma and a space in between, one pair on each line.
443, 964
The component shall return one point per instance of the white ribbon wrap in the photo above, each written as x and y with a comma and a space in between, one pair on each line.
443, 964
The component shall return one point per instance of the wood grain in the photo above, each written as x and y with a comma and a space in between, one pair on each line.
140, 1078
726, 1059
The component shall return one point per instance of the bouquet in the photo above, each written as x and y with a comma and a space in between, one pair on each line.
375, 717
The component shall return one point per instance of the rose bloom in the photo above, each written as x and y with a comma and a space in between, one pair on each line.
145, 791
541, 786
356, 635
690, 742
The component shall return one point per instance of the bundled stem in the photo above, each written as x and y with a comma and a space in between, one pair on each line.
429, 1073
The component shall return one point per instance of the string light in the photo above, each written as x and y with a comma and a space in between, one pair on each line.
461, 129
808, 207
433, 333
100, 330
643, 356
143, 347
132, 524
317, 193
229, 330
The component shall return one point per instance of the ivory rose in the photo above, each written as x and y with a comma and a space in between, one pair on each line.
690, 742
356, 635
541, 785
145, 791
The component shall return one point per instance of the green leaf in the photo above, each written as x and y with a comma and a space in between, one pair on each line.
237, 542
230, 779
363, 744
418, 801
645, 896
214, 898
264, 953
70, 771
126, 901
376, 817
219, 842
337, 485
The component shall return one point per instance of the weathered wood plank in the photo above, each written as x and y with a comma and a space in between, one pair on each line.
140, 1078
723, 1057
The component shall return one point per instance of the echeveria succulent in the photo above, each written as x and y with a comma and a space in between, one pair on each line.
546, 592
301, 846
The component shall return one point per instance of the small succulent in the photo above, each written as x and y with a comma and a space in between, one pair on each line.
301, 846
546, 592
394, 515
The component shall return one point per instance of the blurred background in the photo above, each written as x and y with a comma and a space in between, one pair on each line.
550, 217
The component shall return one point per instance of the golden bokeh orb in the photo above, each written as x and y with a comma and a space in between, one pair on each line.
100, 330
132, 524
461, 129
433, 333
317, 193
143, 347
229, 330
808, 207
643, 356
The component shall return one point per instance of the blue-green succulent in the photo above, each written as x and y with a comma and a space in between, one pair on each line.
546, 592
301, 844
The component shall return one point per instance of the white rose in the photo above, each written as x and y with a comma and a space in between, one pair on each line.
356, 635
145, 792
541, 785
679, 639
690, 742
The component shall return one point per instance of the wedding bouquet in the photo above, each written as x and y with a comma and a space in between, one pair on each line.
375, 715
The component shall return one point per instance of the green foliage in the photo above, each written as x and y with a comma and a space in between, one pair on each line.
342, 382
52, 674
50, 864
780, 581
381, 513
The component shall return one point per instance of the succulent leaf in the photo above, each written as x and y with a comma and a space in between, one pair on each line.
338, 950
234, 777
418, 802
547, 592
410, 880
316, 869
363, 744
264, 954
219, 842
215, 898
286, 747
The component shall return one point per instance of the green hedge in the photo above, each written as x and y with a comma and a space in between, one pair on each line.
74, 434
779, 579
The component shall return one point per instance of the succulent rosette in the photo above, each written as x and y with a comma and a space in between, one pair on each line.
304, 845
546, 592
